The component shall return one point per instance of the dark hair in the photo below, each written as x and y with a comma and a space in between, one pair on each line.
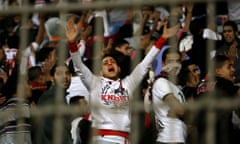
113, 55
169, 51
125, 31
57, 64
71, 67
9, 22
118, 43
197, 25
34, 73
232, 24
43, 53
123, 61
219, 60
183, 74
10, 87
75, 99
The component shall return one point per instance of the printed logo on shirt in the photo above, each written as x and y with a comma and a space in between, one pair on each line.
115, 97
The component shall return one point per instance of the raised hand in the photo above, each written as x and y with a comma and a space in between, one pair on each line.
169, 32
71, 30
189, 6
86, 33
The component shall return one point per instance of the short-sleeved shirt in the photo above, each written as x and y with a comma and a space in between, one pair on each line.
169, 129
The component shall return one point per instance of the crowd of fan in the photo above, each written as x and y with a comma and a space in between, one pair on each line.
127, 33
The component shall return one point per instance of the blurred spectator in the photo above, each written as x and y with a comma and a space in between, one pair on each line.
189, 80
37, 83
76, 130
46, 59
11, 122
10, 37
122, 51
198, 52
230, 46
168, 101
225, 89
61, 81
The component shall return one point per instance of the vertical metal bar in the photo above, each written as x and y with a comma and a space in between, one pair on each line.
60, 94
210, 120
22, 75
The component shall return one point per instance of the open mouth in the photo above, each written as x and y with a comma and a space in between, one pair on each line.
111, 70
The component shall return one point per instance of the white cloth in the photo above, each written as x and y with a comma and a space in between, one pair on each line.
77, 88
170, 130
234, 10
186, 44
163, 12
110, 140
75, 130
172, 66
210, 34
54, 26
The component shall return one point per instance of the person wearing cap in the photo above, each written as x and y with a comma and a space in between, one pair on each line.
109, 95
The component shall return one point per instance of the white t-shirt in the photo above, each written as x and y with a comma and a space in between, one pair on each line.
169, 129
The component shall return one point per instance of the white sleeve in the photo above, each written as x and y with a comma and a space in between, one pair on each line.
135, 78
161, 88
87, 76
